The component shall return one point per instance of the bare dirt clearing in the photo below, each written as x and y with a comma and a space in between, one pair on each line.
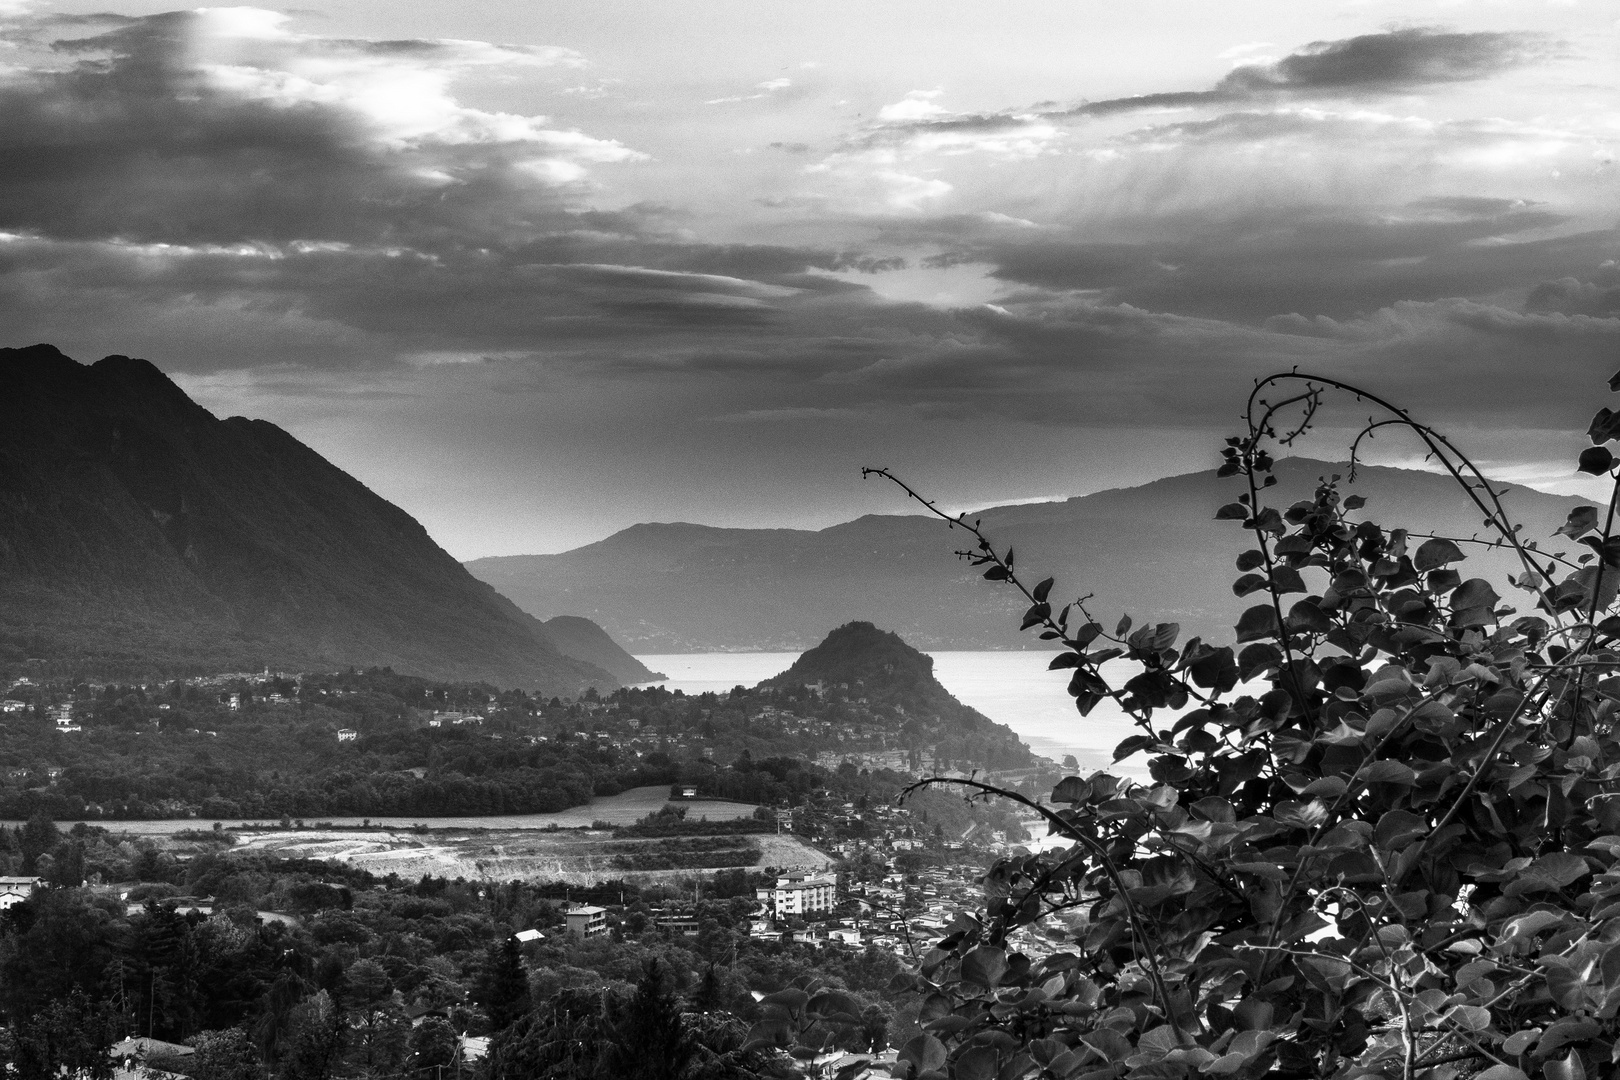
625, 808
581, 857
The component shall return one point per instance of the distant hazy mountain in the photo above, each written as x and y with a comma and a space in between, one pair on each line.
584, 640
139, 532
1154, 551
879, 669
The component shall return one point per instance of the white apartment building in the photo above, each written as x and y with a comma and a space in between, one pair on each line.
802, 894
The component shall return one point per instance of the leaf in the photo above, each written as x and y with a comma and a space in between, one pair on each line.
1397, 828
1286, 580
1040, 591
1308, 616
1215, 670
1549, 872
976, 1063
1037, 614
1257, 623
1529, 925
1570, 1068
925, 1052
1502, 1072
1435, 553
984, 966
1387, 772
1520, 1041
1109, 1043
1570, 1029
1232, 512
1475, 592
1071, 789
1354, 502
1247, 584
996, 573
769, 1033
1064, 660
1582, 519
1123, 627
1605, 425
1257, 658
1596, 460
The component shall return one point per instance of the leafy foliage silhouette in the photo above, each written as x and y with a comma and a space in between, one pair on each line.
1382, 829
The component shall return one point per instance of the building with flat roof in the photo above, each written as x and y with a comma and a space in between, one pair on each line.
803, 894
586, 922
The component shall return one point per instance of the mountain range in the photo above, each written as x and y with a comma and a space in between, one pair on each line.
1154, 551
141, 534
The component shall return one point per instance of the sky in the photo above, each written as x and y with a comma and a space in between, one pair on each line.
537, 272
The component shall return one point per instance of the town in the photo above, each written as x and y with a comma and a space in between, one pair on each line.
746, 841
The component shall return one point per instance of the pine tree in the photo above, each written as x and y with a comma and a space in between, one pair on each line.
504, 989
653, 1043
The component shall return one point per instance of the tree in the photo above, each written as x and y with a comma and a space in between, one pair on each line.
503, 989
70, 1036
433, 1046
375, 1018
223, 1055
37, 836
315, 1039
652, 1041
1380, 836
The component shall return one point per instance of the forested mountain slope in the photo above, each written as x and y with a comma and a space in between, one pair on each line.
139, 532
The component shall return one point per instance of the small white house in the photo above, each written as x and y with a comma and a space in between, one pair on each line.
347, 734
15, 890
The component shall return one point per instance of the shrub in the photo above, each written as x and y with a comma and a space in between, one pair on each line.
1381, 830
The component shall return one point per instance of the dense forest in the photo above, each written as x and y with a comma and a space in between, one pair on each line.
182, 749
361, 976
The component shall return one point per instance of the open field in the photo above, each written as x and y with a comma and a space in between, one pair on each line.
625, 808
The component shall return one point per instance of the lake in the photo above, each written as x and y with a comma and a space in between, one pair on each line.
1012, 688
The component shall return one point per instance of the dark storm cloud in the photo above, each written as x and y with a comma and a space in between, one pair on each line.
1101, 364
225, 218
138, 178
1391, 62
1304, 259
1599, 296
133, 141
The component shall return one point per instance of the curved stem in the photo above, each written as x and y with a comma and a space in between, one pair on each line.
1149, 945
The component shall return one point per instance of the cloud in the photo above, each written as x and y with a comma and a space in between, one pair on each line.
916, 105
222, 192
223, 125
1599, 296
769, 86
1394, 61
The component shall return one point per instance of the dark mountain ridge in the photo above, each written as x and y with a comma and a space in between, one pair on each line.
584, 640
1154, 551
138, 532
